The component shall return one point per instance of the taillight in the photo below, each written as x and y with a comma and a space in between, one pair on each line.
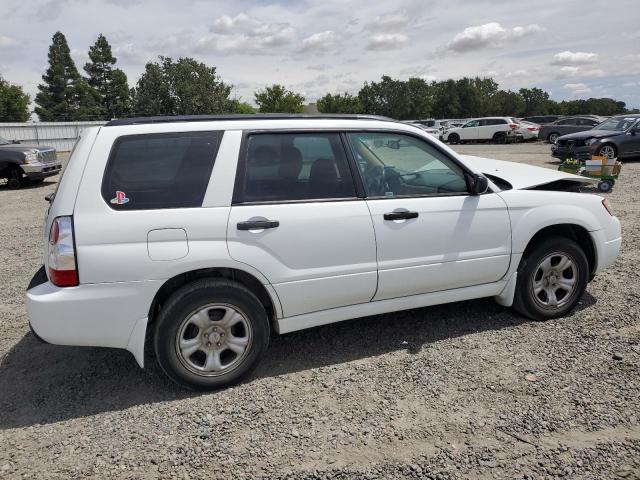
63, 271
533, 129
513, 126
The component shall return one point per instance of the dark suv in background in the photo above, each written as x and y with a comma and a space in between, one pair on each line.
567, 125
541, 119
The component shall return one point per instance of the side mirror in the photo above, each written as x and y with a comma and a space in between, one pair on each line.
394, 144
634, 131
15, 142
479, 184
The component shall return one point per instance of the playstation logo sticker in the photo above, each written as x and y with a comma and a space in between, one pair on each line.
121, 198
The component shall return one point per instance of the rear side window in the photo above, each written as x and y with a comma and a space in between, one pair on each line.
169, 170
293, 166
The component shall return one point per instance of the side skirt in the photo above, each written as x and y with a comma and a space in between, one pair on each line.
314, 319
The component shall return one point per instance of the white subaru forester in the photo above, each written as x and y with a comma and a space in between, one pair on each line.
210, 233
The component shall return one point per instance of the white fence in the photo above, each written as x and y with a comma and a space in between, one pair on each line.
60, 135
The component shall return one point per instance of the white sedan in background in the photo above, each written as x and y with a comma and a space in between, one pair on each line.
529, 130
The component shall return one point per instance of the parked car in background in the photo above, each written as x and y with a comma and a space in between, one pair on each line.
541, 119
432, 127
496, 129
26, 163
204, 235
456, 122
528, 130
616, 137
567, 125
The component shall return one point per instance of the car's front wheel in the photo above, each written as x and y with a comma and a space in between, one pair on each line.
211, 333
552, 137
551, 279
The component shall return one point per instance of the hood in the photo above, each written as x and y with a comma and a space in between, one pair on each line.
519, 175
590, 134
20, 147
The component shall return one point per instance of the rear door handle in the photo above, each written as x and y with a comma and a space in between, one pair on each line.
400, 215
258, 224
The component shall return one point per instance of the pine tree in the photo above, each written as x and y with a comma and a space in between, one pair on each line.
109, 83
64, 95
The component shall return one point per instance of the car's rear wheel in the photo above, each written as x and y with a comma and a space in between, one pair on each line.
551, 279
552, 137
210, 334
500, 138
608, 151
454, 139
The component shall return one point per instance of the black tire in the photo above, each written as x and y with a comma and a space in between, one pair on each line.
454, 139
500, 138
605, 186
201, 294
552, 137
14, 182
531, 305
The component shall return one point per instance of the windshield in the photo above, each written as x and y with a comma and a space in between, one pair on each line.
618, 124
4, 141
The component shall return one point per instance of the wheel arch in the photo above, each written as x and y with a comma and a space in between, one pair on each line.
572, 231
267, 296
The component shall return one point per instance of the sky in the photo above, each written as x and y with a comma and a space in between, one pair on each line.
570, 48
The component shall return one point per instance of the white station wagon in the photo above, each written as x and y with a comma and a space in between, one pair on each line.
209, 234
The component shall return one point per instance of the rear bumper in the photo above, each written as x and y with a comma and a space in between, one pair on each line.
38, 171
100, 315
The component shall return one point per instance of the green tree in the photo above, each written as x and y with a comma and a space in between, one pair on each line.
339, 103
277, 99
109, 83
446, 103
184, 87
535, 101
236, 106
14, 103
420, 98
389, 98
64, 95
507, 102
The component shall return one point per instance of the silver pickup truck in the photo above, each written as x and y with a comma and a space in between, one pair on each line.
20, 164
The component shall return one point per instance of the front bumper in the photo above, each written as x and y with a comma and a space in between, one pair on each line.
608, 242
38, 171
98, 314
582, 152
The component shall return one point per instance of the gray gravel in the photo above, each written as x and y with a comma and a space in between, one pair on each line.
468, 390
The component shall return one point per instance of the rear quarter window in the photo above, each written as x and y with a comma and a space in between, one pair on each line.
169, 170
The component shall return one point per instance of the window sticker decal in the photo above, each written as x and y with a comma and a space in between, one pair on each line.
120, 198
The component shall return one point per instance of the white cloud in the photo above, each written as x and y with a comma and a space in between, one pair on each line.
488, 35
320, 42
630, 84
388, 23
245, 35
573, 71
6, 41
574, 58
387, 41
577, 88
517, 73
632, 35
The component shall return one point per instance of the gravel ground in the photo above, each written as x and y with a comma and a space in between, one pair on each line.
467, 390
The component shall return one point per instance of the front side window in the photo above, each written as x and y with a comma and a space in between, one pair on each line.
169, 170
397, 165
294, 166
472, 123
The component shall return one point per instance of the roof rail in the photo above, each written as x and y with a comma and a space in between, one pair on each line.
254, 116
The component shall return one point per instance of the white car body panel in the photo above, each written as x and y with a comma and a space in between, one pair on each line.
520, 175
322, 255
353, 263
447, 246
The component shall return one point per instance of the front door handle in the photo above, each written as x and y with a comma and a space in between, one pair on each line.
258, 224
400, 215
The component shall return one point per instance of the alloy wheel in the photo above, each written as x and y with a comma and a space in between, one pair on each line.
554, 280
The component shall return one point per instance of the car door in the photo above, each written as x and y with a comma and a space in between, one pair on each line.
629, 144
296, 218
470, 130
431, 234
